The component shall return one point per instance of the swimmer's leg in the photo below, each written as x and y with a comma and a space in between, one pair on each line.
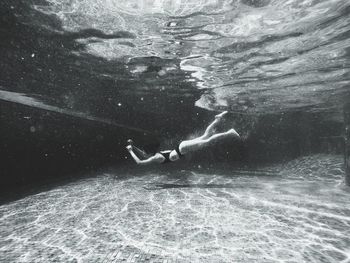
210, 130
221, 115
197, 144
219, 136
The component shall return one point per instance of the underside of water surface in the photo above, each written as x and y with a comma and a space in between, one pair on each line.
79, 78
163, 57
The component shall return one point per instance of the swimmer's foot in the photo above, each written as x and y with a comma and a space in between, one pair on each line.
233, 131
221, 115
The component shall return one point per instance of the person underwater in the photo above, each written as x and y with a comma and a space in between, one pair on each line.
208, 138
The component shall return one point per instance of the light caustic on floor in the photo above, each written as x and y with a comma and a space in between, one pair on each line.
298, 212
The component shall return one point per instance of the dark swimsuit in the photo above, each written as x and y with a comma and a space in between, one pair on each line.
166, 155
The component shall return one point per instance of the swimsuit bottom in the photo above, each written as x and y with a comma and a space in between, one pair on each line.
166, 155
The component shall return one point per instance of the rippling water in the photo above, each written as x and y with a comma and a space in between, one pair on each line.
248, 55
120, 59
296, 212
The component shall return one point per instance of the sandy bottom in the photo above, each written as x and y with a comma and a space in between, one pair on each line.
296, 212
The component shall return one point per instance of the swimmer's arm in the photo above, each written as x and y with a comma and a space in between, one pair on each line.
153, 159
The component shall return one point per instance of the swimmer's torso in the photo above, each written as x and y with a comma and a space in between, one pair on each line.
170, 156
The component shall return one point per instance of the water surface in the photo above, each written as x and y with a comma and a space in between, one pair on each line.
110, 58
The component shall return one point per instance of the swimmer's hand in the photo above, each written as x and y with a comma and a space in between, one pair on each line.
129, 148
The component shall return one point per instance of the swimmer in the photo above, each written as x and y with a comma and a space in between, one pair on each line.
209, 137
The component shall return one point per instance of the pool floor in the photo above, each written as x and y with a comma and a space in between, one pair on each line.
295, 212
